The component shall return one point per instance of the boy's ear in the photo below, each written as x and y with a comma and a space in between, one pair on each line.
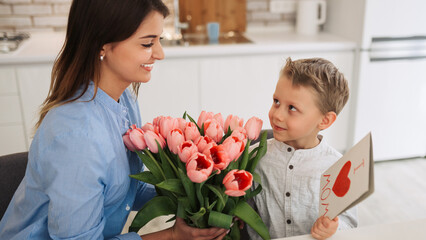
327, 120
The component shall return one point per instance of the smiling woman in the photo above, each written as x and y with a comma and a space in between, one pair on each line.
77, 183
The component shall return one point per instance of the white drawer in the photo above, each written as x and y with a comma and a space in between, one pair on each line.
10, 110
12, 139
8, 81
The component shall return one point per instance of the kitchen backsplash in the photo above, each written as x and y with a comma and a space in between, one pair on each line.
51, 15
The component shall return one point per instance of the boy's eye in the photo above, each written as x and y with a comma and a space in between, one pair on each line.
276, 102
292, 108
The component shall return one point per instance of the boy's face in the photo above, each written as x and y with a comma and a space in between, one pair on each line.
294, 115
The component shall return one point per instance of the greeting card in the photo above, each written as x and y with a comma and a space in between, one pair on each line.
349, 181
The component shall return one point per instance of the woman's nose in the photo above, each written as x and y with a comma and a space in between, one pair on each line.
157, 51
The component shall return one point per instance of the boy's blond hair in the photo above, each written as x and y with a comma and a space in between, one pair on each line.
323, 77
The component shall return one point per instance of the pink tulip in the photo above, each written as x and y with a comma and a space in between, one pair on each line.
134, 139
234, 147
204, 143
219, 156
156, 121
199, 167
240, 133
151, 138
148, 126
167, 124
237, 182
233, 122
181, 123
204, 116
213, 129
186, 150
218, 117
174, 139
191, 131
253, 127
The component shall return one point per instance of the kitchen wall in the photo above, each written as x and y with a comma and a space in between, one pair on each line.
51, 15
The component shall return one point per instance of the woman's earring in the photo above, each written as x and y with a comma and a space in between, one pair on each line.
101, 58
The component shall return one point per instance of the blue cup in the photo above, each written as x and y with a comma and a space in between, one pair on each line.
213, 29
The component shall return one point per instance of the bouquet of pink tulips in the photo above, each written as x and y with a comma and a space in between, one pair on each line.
203, 171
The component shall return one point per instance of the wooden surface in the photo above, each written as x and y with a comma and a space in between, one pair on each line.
231, 14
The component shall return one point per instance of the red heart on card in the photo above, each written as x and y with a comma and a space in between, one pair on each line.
342, 184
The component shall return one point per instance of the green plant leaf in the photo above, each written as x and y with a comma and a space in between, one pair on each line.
146, 176
256, 177
173, 185
152, 164
235, 231
184, 115
250, 194
245, 156
188, 185
220, 220
169, 168
219, 193
158, 206
249, 216
198, 218
192, 120
183, 207
260, 153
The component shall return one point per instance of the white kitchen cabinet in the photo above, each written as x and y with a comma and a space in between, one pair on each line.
12, 137
34, 83
244, 85
172, 90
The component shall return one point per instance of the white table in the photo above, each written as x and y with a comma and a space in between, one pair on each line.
411, 230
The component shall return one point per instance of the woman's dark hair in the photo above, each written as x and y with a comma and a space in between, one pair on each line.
91, 25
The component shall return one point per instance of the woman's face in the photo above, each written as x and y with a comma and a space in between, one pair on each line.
132, 60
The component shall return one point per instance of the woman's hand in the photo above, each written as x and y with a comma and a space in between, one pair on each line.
324, 228
181, 231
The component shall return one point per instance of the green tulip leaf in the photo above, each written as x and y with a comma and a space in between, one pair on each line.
189, 187
173, 185
246, 213
221, 220
151, 164
158, 206
260, 153
146, 177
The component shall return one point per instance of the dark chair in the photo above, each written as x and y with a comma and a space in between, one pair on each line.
12, 170
270, 135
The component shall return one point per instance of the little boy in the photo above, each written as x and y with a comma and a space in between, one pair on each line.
308, 96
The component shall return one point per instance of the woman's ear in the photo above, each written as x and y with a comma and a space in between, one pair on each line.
328, 119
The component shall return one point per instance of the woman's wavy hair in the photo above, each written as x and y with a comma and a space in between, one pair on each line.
92, 24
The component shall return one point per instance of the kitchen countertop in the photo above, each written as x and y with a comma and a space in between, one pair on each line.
43, 47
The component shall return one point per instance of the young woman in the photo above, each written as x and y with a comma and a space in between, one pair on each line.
77, 183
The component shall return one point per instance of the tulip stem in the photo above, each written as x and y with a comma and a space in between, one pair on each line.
245, 157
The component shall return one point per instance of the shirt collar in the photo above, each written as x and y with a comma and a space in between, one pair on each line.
116, 107
284, 147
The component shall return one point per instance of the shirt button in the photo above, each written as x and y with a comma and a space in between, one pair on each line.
287, 194
288, 221
288, 149
291, 166
127, 207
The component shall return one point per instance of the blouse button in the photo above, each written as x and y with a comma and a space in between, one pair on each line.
291, 167
288, 221
288, 149
287, 194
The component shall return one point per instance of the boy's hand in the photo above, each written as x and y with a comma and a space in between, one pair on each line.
324, 228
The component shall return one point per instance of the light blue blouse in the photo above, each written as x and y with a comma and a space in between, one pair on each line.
77, 183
